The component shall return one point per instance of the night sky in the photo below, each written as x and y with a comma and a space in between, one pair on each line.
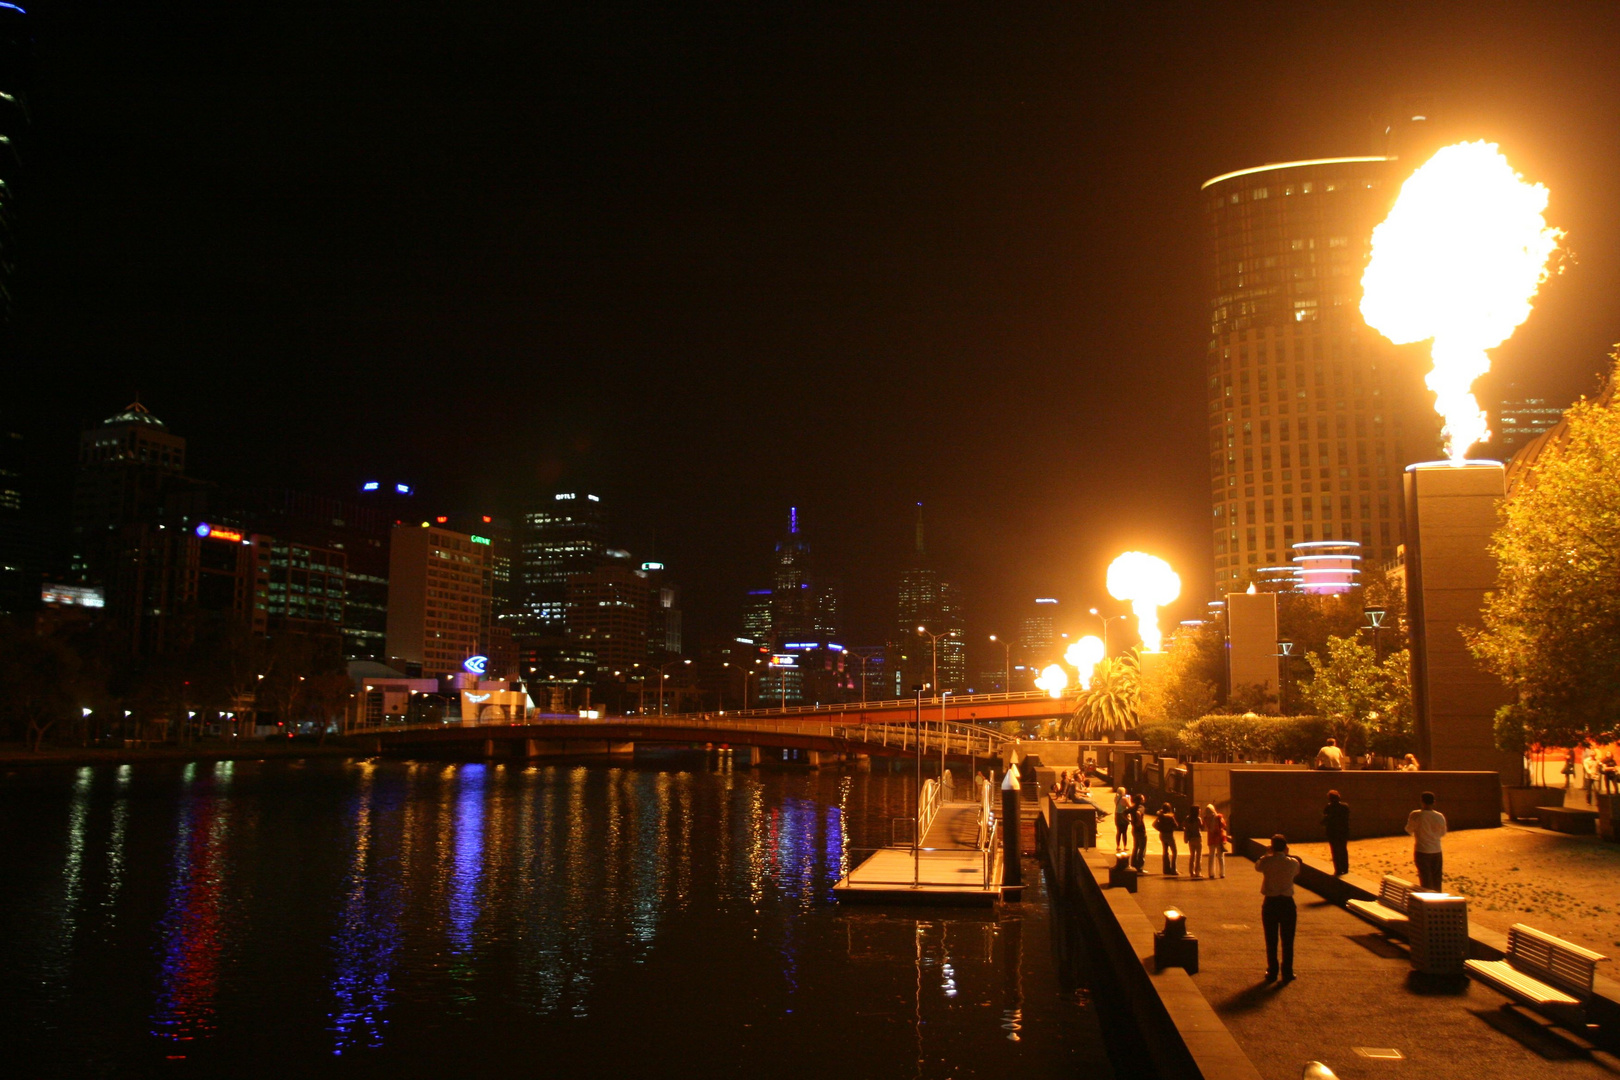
714, 260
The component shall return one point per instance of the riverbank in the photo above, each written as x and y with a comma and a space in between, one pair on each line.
1352, 1006
13, 755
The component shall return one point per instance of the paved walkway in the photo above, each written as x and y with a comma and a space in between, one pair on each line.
1354, 989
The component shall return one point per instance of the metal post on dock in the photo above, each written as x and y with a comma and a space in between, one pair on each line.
916, 825
1011, 822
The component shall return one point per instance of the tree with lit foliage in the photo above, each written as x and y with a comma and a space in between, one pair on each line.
1551, 627
1366, 704
1185, 686
1110, 704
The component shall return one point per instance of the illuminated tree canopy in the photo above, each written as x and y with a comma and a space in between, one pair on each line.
1552, 625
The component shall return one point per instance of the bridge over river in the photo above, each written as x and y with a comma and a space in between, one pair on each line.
964, 729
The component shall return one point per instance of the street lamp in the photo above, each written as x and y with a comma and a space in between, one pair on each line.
1105, 620
661, 678
747, 673
863, 658
1375, 623
1006, 665
1285, 649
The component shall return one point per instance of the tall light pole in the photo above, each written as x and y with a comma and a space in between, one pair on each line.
747, 674
661, 678
1105, 620
933, 655
1006, 665
862, 657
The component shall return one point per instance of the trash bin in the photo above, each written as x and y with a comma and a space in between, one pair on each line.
1438, 932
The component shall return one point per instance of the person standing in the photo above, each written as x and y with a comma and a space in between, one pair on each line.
1139, 833
1592, 771
1330, 757
1427, 826
1215, 826
1166, 825
1122, 819
1336, 822
1278, 915
1569, 768
1194, 827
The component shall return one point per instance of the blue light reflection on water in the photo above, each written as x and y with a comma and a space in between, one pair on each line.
366, 944
534, 909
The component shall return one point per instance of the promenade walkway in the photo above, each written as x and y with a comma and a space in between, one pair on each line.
1355, 997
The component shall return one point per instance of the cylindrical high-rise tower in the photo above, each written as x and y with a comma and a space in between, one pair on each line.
1312, 414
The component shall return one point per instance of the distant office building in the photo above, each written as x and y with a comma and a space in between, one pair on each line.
306, 586
1038, 636
129, 527
439, 598
757, 617
1312, 414
564, 537
20, 561
16, 68
664, 637
356, 528
607, 613
926, 600
1519, 420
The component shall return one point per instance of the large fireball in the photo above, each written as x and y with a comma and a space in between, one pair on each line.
1148, 583
1458, 260
1083, 656
1054, 680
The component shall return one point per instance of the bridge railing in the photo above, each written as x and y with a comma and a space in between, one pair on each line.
933, 736
884, 704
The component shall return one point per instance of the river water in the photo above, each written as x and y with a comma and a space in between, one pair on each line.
363, 918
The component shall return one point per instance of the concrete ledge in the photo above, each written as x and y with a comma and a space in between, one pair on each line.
1183, 1033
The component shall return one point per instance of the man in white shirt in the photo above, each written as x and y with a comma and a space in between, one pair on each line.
1330, 757
1427, 826
1278, 915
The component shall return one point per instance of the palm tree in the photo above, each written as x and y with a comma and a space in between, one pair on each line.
1110, 704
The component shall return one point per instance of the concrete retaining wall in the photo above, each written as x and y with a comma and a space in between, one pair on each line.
1290, 802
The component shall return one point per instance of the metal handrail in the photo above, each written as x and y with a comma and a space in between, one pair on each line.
966, 739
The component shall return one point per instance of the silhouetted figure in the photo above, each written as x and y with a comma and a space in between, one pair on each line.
1139, 833
1336, 820
1166, 825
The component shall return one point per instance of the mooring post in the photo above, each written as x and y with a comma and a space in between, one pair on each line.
1011, 867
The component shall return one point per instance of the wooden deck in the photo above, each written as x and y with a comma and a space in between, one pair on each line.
950, 868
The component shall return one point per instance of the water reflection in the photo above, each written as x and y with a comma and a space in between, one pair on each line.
366, 945
384, 913
191, 932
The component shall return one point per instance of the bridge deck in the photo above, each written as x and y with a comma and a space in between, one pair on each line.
950, 869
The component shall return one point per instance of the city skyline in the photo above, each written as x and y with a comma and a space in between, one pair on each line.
699, 319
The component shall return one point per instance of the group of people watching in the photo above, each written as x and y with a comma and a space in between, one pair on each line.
1200, 831
1332, 758
1599, 770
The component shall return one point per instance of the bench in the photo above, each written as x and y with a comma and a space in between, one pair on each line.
1388, 912
1540, 970
1567, 819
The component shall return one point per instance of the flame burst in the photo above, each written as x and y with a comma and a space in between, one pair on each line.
1148, 583
1054, 680
1083, 656
1458, 260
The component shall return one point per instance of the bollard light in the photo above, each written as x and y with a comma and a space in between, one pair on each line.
1175, 924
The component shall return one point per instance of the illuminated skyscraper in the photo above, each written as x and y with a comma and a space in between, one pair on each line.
439, 592
561, 539
1519, 419
927, 600
1312, 414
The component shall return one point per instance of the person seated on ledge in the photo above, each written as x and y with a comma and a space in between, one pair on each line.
1409, 763
1330, 757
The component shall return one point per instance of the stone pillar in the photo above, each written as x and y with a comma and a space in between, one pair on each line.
489, 747
1251, 640
531, 748
1450, 515
813, 758
753, 755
